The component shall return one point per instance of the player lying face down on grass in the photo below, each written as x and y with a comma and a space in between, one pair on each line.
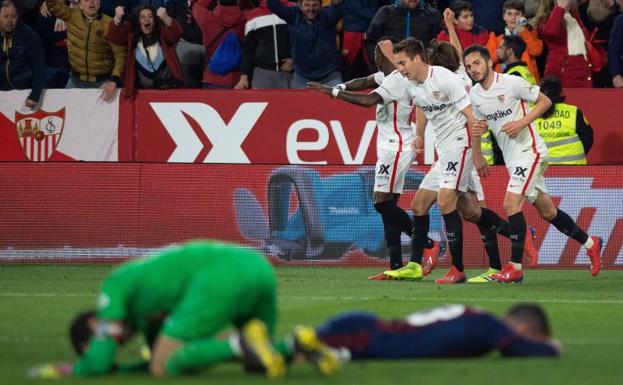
180, 300
451, 331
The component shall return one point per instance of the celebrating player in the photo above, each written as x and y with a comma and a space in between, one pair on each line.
180, 300
394, 151
472, 203
501, 105
442, 101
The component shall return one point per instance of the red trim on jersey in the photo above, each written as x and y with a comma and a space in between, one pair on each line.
536, 160
496, 77
393, 177
458, 178
396, 130
469, 137
530, 129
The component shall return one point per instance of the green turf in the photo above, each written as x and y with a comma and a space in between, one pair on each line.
36, 303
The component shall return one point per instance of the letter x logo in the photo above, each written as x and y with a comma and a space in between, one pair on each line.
452, 166
384, 169
520, 171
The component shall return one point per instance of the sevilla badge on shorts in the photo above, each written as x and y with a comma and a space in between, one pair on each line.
39, 133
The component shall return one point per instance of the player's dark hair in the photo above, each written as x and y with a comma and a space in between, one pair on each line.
517, 5
483, 51
442, 53
80, 331
515, 43
459, 6
533, 315
552, 88
412, 47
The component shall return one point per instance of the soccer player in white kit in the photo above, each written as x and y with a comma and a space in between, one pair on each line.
442, 102
501, 104
472, 204
394, 152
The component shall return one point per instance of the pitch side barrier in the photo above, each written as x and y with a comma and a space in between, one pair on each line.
246, 127
102, 212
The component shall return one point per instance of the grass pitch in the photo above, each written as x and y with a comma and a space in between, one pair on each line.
37, 302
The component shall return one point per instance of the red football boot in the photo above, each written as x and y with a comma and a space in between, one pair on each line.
529, 247
452, 276
594, 253
429, 259
508, 274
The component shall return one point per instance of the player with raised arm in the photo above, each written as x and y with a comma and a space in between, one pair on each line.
501, 105
394, 151
442, 102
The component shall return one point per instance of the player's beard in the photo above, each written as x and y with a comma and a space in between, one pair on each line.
485, 75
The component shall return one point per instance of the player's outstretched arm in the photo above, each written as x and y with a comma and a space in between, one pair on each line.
359, 84
364, 100
524, 347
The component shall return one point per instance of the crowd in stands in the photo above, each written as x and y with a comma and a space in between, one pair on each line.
161, 44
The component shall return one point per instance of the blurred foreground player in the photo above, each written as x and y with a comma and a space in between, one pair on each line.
180, 299
452, 331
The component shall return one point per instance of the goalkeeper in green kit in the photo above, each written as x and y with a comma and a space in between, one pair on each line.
180, 300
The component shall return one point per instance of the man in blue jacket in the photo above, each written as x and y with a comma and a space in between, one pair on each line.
21, 59
313, 39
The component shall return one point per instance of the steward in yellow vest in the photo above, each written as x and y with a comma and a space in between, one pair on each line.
563, 127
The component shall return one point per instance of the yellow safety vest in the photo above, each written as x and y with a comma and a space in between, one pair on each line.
524, 72
486, 146
558, 131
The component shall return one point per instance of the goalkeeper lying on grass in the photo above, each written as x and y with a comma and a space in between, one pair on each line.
180, 300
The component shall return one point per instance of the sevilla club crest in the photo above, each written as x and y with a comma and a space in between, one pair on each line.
39, 133
501, 98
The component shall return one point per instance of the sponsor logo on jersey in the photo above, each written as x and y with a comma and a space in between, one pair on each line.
499, 114
434, 107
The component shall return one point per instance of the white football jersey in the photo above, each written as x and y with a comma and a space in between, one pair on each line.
442, 97
506, 101
467, 81
393, 117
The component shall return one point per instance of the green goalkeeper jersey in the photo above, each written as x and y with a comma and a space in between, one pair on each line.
198, 289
